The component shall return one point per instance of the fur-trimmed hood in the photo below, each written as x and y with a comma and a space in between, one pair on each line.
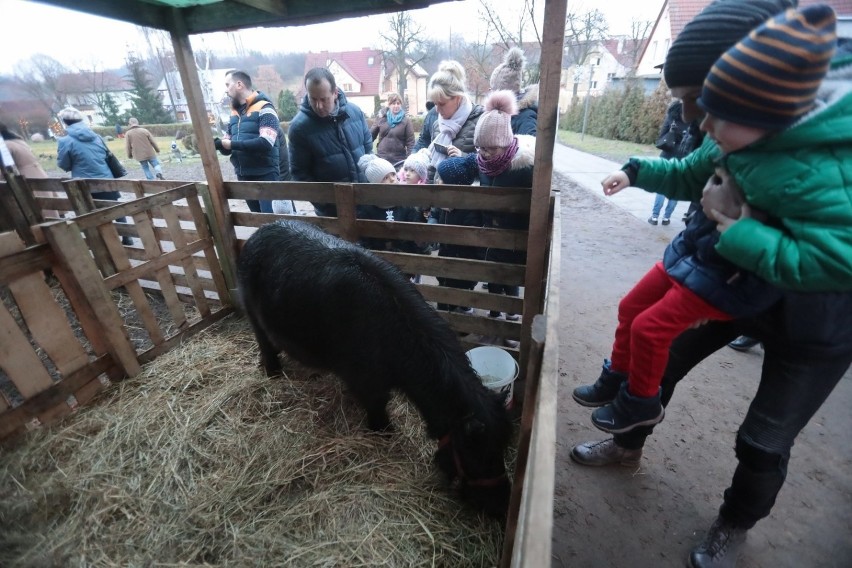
528, 98
525, 156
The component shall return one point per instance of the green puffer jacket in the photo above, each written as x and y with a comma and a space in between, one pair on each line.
800, 177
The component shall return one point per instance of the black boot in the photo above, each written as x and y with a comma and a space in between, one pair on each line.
720, 546
603, 390
743, 343
628, 412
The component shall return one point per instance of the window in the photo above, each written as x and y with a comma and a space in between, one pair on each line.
347, 87
594, 84
370, 60
610, 76
598, 61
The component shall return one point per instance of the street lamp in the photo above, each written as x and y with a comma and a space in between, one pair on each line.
586, 102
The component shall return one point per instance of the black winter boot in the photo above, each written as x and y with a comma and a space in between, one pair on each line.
720, 546
603, 390
627, 412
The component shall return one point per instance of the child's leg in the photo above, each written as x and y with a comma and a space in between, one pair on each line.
644, 294
653, 331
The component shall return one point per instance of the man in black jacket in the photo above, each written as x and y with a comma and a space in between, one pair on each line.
252, 139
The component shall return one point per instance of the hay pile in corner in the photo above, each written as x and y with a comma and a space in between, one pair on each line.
202, 460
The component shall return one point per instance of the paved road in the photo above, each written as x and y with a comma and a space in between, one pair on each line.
588, 171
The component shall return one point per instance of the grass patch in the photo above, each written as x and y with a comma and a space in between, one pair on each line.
614, 150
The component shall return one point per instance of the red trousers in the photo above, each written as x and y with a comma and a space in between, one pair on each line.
650, 317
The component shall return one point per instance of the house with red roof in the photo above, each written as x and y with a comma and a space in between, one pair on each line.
366, 78
675, 14
601, 64
86, 90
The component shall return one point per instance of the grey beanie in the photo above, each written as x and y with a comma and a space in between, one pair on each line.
711, 33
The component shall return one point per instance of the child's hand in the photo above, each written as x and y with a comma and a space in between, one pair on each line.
453, 152
723, 222
615, 182
722, 194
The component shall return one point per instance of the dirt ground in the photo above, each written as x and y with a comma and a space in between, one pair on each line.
654, 515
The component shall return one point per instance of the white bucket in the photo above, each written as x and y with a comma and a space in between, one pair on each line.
497, 369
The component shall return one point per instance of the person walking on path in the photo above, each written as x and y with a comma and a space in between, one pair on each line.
674, 142
252, 136
142, 147
807, 337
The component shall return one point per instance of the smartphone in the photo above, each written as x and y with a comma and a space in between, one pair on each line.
440, 148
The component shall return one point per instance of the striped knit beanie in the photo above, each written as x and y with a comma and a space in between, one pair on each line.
770, 78
706, 37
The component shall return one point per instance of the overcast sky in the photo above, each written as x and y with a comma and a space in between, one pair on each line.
82, 41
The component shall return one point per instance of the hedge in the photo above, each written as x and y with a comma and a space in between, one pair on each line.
627, 114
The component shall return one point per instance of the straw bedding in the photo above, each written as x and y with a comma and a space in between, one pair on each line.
201, 460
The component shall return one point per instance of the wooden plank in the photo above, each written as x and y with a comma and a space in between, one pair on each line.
465, 268
130, 208
152, 251
317, 192
344, 198
11, 216
82, 202
32, 259
483, 237
18, 359
217, 272
24, 196
45, 319
179, 239
75, 258
56, 394
218, 210
529, 544
134, 290
474, 299
149, 267
491, 198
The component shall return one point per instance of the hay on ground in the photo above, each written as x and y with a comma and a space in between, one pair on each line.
202, 460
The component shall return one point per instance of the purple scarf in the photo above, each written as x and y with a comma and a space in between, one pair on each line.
496, 165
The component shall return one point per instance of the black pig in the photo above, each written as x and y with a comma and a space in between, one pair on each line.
333, 305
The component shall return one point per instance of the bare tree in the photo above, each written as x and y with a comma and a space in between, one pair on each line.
477, 61
638, 35
405, 39
523, 21
39, 77
582, 33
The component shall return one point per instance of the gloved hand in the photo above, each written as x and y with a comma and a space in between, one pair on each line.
218, 143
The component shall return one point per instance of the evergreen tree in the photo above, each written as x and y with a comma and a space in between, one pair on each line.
146, 102
109, 109
287, 107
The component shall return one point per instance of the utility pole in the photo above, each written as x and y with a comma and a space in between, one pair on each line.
586, 102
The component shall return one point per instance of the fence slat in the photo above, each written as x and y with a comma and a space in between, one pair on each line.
18, 359
169, 213
45, 319
152, 251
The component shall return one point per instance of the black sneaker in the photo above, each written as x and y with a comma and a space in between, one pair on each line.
666, 221
628, 412
160, 176
743, 343
652, 220
720, 546
603, 390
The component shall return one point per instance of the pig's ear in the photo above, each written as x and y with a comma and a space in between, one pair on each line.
473, 428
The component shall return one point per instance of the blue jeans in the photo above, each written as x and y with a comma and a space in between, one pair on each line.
807, 349
658, 205
148, 164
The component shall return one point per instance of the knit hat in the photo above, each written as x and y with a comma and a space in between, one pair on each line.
770, 78
507, 76
494, 127
133, 122
418, 162
375, 168
719, 26
461, 170
70, 115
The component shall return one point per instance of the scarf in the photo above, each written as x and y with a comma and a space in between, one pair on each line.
394, 119
449, 128
496, 165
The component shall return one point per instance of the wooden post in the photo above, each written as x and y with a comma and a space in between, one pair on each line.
548, 109
344, 197
82, 203
209, 158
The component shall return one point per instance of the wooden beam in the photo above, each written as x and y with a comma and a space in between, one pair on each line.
220, 213
139, 13
276, 7
539, 232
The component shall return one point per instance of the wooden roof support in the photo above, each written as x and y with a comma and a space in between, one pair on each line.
548, 108
200, 125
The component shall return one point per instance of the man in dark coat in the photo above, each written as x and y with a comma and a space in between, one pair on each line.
252, 138
327, 137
